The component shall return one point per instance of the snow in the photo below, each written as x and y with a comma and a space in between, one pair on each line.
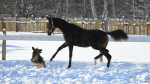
82, 72
30, 36
130, 61
59, 37
148, 23
130, 64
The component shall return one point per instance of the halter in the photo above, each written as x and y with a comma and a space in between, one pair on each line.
53, 27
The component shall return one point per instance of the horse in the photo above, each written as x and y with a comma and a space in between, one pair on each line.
37, 59
77, 36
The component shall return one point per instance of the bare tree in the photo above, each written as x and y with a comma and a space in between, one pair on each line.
105, 12
76, 8
67, 8
113, 9
133, 9
146, 8
93, 9
57, 8
84, 9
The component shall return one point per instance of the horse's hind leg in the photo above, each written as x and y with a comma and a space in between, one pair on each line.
103, 52
61, 47
101, 58
108, 56
70, 55
104, 44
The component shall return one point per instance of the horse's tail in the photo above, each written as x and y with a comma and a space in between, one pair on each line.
118, 35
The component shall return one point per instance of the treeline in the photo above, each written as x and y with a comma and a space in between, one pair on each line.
76, 8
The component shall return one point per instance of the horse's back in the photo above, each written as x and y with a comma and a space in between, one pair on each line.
97, 38
96, 35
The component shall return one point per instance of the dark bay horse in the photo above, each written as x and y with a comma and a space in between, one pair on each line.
77, 36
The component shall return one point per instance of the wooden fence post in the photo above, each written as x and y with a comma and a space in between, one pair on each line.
4, 50
123, 22
3, 41
17, 23
104, 24
127, 29
126, 26
147, 24
33, 28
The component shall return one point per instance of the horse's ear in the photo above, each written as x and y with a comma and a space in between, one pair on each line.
33, 48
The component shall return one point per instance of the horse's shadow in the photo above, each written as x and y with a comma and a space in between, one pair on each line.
76, 65
90, 65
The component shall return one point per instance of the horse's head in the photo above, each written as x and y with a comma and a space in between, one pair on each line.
36, 55
50, 26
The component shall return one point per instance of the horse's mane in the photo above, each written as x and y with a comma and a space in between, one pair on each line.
67, 23
75, 25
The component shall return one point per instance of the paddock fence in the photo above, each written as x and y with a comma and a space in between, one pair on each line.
39, 25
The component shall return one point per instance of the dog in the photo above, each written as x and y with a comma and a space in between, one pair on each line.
37, 59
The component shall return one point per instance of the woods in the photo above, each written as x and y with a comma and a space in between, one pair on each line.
131, 9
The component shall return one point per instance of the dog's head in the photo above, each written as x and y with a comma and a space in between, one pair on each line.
36, 55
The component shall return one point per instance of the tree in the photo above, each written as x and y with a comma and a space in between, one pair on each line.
113, 9
93, 9
133, 9
58, 7
146, 8
105, 12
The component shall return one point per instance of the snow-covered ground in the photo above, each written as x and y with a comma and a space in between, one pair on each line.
59, 37
130, 64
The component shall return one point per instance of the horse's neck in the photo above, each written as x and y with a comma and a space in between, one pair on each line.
64, 26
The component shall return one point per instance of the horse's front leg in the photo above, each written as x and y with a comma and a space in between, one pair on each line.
60, 48
70, 55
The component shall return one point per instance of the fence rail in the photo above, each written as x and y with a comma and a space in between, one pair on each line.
132, 27
58, 37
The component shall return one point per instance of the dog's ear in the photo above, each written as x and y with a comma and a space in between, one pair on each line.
40, 50
33, 48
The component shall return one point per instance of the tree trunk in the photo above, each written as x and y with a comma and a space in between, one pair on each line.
113, 9
105, 12
133, 10
93, 10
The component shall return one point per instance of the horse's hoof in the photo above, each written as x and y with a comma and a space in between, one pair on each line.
51, 60
95, 62
68, 67
107, 66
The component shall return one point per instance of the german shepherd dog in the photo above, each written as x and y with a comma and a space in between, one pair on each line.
36, 59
